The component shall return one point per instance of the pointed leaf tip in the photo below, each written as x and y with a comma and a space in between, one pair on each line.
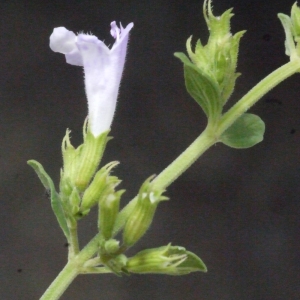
55, 199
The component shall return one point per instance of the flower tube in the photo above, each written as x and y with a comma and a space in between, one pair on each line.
103, 68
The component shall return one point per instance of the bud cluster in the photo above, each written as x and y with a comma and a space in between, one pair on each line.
81, 187
291, 25
218, 58
210, 70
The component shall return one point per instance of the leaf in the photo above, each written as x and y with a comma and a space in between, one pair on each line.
201, 87
55, 199
245, 132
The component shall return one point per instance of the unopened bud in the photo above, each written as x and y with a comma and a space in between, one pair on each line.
99, 184
108, 211
111, 246
170, 260
142, 215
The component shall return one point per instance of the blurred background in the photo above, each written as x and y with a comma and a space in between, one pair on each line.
239, 210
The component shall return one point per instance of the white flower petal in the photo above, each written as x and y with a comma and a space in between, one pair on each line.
103, 69
62, 40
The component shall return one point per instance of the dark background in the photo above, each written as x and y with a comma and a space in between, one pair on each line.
239, 210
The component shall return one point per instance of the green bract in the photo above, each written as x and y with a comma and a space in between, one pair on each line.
55, 199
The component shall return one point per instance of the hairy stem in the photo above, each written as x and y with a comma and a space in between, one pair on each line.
256, 93
61, 282
73, 240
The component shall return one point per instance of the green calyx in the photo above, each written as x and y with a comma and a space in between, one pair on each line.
169, 260
80, 165
100, 187
108, 212
142, 214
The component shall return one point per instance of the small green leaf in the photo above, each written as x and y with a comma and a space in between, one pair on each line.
55, 199
201, 87
245, 132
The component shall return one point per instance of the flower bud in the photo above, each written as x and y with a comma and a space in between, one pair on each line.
142, 215
100, 182
108, 211
170, 260
111, 246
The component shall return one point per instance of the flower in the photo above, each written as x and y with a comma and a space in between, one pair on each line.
103, 68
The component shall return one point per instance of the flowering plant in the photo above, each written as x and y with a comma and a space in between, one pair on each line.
210, 75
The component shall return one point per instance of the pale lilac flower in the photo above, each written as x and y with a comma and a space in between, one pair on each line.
103, 69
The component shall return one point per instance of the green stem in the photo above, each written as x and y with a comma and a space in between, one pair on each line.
256, 93
205, 140
96, 270
71, 270
73, 240
90, 249
61, 282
